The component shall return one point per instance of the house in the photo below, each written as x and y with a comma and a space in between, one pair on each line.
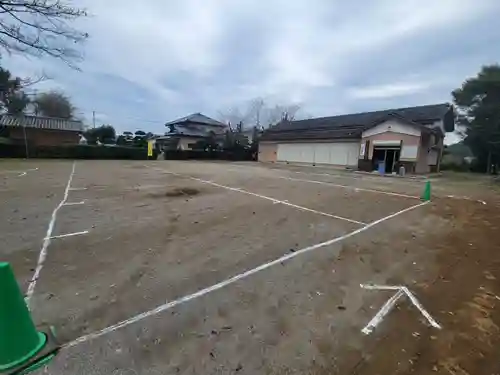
384, 140
183, 133
39, 131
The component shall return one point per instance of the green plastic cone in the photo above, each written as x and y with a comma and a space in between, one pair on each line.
19, 339
426, 195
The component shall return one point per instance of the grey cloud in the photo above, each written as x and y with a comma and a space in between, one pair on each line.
169, 59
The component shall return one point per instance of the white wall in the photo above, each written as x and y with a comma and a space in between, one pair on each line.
438, 124
392, 126
335, 153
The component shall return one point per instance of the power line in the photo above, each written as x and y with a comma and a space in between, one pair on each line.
120, 117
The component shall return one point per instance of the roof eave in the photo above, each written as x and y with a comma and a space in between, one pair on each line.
193, 122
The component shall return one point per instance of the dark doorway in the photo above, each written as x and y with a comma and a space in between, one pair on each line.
392, 157
378, 156
387, 155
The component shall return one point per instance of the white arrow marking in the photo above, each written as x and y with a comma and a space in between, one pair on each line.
387, 307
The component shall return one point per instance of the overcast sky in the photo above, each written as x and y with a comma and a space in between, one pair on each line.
148, 64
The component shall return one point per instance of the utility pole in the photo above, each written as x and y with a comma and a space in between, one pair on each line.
93, 118
25, 137
35, 93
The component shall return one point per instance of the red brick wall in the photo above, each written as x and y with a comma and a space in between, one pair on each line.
45, 137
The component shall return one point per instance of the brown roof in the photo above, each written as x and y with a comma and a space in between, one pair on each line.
352, 125
39, 122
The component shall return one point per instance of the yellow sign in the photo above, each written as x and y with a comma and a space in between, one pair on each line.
150, 148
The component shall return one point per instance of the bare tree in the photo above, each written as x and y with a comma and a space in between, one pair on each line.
257, 113
282, 113
39, 27
54, 104
231, 116
27, 82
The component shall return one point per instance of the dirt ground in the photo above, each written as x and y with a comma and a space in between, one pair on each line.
159, 231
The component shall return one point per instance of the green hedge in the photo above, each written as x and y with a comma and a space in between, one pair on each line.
74, 152
233, 155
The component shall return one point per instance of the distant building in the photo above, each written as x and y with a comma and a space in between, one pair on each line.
39, 131
381, 140
183, 133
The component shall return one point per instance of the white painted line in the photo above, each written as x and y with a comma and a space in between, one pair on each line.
377, 319
275, 201
401, 290
380, 287
279, 202
466, 198
350, 187
73, 203
69, 235
20, 173
419, 306
77, 189
354, 176
46, 241
222, 284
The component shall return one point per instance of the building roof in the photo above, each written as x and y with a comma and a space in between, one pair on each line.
352, 125
196, 118
41, 122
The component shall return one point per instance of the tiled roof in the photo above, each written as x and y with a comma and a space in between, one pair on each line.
41, 122
197, 118
352, 125
189, 132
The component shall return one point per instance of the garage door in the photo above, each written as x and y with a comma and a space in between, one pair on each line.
338, 153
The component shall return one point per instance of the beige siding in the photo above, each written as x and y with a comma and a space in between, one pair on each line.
392, 126
390, 136
184, 142
267, 152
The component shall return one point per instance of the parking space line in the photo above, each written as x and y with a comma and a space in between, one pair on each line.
355, 176
350, 187
241, 276
332, 183
73, 203
69, 234
46, 241
20, 173
275, 201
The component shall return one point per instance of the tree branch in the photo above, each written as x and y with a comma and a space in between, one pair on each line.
38, 27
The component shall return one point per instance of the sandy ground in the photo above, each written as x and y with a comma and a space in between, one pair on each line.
155, 237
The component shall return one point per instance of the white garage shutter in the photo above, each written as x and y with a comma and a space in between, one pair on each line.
322, 153
307, 153
352, 153
337, 153
295, 152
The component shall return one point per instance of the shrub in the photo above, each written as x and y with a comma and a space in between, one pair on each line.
74, 152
